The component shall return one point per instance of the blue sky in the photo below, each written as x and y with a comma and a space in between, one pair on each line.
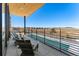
51, 15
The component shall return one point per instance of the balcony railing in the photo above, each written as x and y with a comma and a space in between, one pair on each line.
62, 42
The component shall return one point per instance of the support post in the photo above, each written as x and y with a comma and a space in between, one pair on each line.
7, 25
24, 25
0, 29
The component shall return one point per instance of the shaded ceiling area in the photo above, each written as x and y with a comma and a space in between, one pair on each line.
24, 9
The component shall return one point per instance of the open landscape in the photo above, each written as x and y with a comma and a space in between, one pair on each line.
65, 32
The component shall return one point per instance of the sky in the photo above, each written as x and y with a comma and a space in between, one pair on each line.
51, 15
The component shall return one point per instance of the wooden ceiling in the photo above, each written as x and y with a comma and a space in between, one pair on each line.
24, 9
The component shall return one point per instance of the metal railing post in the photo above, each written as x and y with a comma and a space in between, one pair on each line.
44, 35
60, 38
36, 33
31, 32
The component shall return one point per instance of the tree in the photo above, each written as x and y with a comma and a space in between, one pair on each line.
67, 36
52, 31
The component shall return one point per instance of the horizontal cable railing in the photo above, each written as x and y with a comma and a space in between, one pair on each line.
66, 42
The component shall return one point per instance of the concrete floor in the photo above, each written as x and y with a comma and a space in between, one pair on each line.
43, 49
